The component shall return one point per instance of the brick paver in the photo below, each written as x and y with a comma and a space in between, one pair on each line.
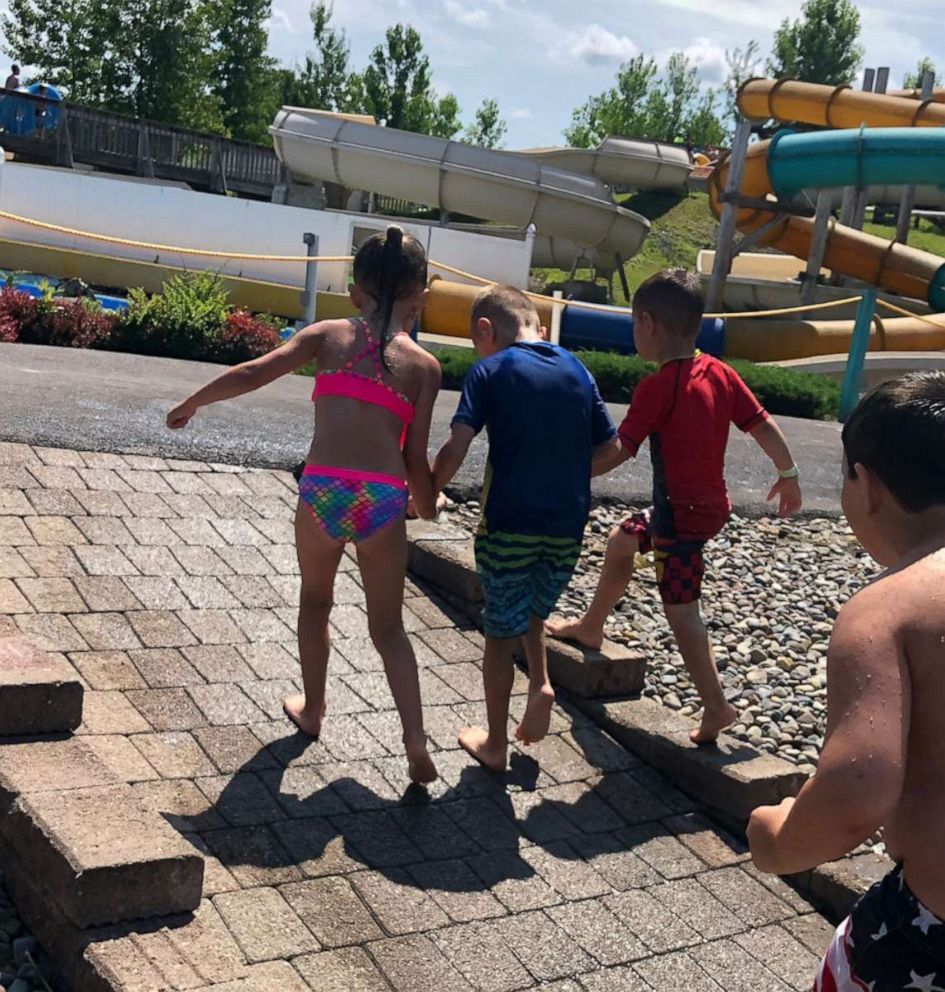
171, 587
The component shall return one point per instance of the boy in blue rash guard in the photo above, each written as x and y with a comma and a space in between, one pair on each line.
544, 418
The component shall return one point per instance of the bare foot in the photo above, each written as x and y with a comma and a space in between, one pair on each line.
573, 630
294, 708
713, 723
535, 722
420, 765
476, 741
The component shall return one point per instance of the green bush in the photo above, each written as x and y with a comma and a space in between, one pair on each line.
781, 391
184, 320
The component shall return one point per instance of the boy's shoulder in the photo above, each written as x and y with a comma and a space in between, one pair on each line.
897, 600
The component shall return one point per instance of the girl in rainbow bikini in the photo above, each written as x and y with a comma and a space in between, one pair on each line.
374, 393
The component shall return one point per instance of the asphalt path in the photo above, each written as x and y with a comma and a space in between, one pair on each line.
104, 401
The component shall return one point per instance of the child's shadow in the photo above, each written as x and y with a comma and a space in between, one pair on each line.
279, 819
270, 818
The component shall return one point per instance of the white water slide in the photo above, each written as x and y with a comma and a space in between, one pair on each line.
562, 191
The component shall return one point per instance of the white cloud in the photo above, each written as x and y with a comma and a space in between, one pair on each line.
598, 46
279, 21
709, 58
470, 17
520, 114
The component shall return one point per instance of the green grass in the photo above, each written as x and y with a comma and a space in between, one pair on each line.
928, 237
682, 224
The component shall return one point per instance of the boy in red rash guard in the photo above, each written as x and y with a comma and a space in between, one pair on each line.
685, 409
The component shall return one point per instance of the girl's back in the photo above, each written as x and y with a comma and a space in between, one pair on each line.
363, 409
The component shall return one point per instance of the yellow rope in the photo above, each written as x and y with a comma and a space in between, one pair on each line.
579, 304
608, 308
205, 252
908, 313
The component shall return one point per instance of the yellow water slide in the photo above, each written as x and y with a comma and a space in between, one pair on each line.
896, 267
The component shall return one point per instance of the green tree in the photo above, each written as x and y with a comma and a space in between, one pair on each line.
444, 119
398, 87
913, 80
645, 103
620, 110
324, 80
821, 46
70, 44
170, 63
489, 128
244, 74
703, 126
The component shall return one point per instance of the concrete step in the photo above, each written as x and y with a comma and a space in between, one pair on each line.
102, 855
614, 670
48, 766
730, 777
40, 693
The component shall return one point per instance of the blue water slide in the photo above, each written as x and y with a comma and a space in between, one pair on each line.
602, 330
876, 156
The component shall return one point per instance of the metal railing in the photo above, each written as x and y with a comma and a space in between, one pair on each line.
61, 133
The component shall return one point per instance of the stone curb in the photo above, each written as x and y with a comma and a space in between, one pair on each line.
40, 693
731, 778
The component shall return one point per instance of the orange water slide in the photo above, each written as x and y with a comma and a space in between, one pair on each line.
853, 253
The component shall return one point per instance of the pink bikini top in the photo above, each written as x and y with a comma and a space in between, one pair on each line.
361, 386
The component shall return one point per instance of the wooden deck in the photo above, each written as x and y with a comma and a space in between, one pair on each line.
62, 133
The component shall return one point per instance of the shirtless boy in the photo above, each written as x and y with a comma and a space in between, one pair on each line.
883, 760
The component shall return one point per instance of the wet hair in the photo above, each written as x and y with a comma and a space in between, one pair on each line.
673, 298
389, 267
15, 70
898, 432
507, 308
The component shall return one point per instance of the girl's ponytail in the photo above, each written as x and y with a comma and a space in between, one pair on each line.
390, 280
389, 267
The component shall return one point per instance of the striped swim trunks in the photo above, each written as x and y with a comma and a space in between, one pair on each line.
522, 577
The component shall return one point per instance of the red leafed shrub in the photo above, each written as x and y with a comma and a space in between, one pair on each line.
77, 324
244, 336
30, 320
18, 310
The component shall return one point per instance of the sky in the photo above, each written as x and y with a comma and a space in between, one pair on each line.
542, 58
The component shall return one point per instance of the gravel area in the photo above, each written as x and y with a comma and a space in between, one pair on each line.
19, 970
771, 593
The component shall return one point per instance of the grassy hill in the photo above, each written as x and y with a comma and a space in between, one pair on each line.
681, 225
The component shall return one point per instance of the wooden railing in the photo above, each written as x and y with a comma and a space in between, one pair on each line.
61, 133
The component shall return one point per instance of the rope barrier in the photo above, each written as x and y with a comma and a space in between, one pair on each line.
915, 316
608, 308
543, 298
174, 249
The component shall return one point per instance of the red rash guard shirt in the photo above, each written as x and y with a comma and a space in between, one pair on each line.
685, 410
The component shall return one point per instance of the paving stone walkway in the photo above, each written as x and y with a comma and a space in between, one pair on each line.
171, 586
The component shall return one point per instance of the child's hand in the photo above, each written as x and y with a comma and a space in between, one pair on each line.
441, 502
789, 491
180, 415
763, 828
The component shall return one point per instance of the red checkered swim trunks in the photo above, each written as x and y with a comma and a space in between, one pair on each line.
679, 562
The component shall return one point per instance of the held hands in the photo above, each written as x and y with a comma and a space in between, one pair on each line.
180, 415
789, 493
763, 829
412, 509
